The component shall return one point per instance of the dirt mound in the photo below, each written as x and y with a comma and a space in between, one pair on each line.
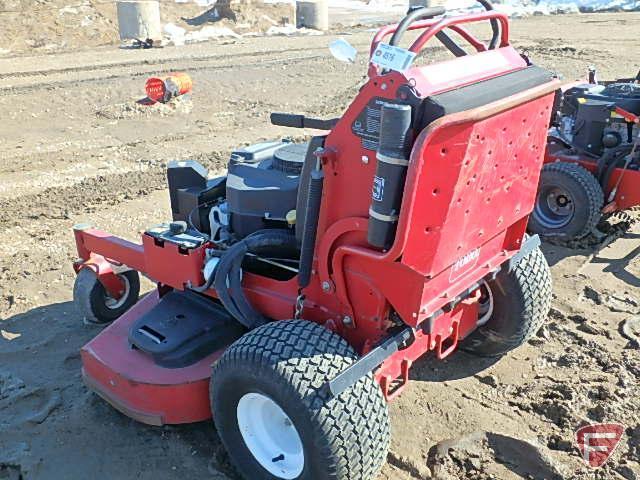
144, 108
49, 25
481, 455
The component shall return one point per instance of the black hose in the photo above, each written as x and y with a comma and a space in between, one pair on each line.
450, 44
619, 161
610, 158
228, 281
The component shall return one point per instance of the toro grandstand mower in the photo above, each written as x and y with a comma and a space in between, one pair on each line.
592, 164
294, 293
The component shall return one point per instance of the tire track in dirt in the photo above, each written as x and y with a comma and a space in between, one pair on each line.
140, 72
41, 79
159, 62
85, 196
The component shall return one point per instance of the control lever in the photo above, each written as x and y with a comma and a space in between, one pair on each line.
300, 121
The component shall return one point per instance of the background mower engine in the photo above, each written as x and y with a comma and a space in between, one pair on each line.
592, 160
295, 292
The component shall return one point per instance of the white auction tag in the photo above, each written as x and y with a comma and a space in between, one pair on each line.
392, 58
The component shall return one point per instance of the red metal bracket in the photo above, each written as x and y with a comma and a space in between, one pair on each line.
104, 271
628, 116
391, 391
451, 341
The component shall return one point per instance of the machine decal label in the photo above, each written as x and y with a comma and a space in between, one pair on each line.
367, 125
392, 57
378, 188
464, 264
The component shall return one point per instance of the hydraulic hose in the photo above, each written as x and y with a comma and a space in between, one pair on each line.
618, 161
610, 157
228, 280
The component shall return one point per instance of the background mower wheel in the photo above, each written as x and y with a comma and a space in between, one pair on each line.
95, 304
275, 419
569, 202
513, 307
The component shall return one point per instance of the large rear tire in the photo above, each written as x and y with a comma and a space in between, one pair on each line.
569, 202
514, 306
276, 421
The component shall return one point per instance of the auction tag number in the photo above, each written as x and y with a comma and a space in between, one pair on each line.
392, 58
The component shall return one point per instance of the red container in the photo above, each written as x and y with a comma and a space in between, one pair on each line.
162, 89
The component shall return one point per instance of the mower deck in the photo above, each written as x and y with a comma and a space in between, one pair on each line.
125, 377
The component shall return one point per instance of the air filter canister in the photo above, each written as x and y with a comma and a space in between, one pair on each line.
394, 147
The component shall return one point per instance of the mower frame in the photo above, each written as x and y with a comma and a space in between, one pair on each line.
470, 187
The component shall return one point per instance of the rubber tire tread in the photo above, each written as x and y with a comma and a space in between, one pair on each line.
591, 211
522, 298
351, 432
88, 296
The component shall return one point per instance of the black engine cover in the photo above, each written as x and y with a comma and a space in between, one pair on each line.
262, 185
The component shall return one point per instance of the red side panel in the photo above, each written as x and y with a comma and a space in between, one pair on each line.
478, 179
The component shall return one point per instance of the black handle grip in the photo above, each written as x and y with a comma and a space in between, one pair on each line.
287, 120
423, 13
300, 121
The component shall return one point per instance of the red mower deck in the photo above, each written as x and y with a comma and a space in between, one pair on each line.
133, 384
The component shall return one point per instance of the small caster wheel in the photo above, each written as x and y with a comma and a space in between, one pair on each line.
95, 303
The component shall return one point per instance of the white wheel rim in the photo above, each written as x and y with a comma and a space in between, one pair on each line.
112, 303
485, 308
270, 436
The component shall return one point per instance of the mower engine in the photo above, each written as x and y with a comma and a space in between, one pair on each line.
591, 119
259, 191
592, 159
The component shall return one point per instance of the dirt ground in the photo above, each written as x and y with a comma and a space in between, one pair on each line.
75, 146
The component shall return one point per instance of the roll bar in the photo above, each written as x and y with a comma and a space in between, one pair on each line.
417, 20
449, 22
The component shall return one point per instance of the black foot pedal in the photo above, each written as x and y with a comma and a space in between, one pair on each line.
184, 328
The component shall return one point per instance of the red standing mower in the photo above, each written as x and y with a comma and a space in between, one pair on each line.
295, 293
592, 162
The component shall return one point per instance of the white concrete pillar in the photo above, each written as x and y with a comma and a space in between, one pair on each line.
139, 19
313, 14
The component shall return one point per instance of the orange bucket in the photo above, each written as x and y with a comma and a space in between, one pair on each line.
162, 89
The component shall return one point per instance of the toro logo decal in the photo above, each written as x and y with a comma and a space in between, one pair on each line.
464, 264
378, 188
597, 442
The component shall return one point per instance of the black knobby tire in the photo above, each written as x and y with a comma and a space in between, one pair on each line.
288, 361
520, 303
95, 305
573, 220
